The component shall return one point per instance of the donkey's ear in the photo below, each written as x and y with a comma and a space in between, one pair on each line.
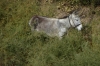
76, 11
73, 12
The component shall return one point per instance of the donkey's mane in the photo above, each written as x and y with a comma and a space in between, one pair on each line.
63, 17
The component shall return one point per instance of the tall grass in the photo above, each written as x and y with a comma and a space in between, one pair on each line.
21, 47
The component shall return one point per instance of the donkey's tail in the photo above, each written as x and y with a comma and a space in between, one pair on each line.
33, 22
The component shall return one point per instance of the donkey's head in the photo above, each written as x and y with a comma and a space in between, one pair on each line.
75, 20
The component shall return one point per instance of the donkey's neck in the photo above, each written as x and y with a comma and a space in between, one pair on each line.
65, 22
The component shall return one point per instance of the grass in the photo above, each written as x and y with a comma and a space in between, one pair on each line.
20, 47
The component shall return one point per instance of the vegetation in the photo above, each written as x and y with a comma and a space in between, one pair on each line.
21, 47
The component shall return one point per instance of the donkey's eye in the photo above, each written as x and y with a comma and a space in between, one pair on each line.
76, 19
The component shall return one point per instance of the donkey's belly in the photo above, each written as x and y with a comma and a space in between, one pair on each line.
50, 28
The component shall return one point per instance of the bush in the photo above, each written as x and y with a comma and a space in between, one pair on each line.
20, 47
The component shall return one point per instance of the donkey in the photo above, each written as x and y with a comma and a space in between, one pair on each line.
55, 26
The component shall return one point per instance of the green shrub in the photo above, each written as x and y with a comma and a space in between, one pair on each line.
21, 47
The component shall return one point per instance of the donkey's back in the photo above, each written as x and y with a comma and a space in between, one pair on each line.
44, 24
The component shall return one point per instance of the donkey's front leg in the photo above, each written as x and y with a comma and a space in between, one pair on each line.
61, 32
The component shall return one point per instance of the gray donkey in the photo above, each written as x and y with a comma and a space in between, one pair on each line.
54, 26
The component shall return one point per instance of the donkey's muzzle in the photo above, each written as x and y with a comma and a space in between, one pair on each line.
79, 27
